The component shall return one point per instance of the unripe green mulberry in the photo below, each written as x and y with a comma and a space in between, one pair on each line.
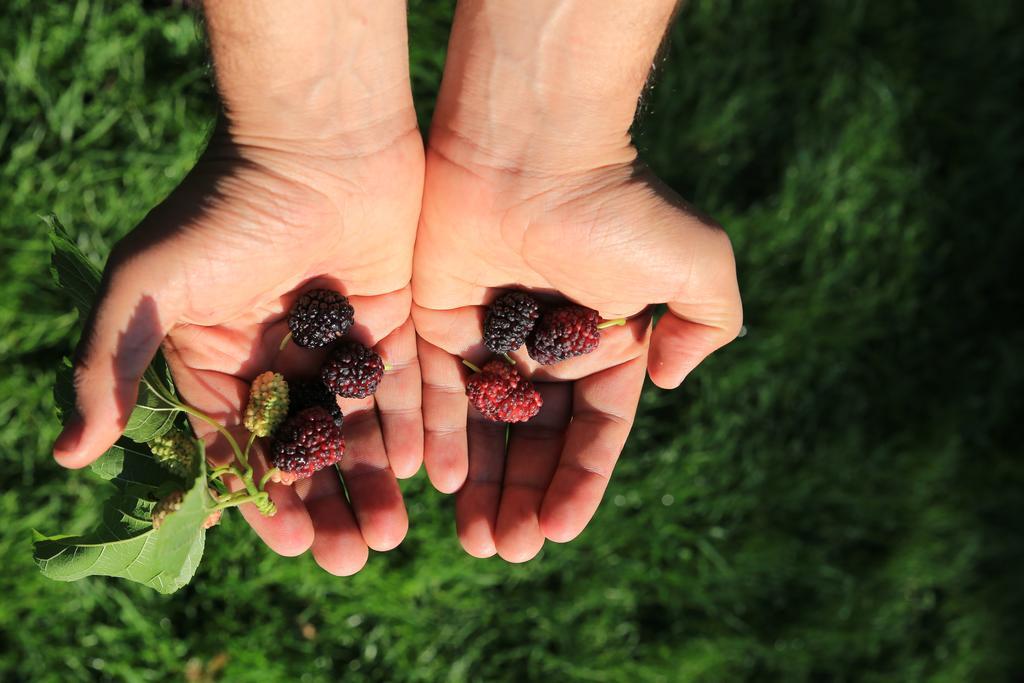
168, 504
268, 403
172, 503
176, 451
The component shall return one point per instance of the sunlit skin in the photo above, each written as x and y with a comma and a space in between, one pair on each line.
532, 182
317, 176
326, 193
607, 240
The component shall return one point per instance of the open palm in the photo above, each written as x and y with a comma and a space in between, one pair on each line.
211, 274
610, 238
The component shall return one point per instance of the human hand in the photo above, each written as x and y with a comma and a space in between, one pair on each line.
539, 195
609, 239
289, 195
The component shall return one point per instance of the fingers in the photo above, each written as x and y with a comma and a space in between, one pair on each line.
477, 501
372, 488
533, 454
375, 515
679, 345
338, 544
445, 448
705, 314
399, 401
223, 397
134, 312
290, 531
378, 316
604, 406
460, 333
499, 504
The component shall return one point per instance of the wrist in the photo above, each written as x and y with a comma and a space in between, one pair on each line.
527, 145
545, 88
330, 76
319, 135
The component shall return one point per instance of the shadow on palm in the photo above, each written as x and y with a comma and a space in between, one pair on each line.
210, 275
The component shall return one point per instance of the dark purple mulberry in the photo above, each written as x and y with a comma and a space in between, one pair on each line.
352, 370
319, 318
564, 333
306, 444
309, 393
509, 321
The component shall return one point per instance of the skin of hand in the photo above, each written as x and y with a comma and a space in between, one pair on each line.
532, 183
313, 178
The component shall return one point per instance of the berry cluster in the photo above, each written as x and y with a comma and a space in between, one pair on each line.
268, 404
551, 335
309, 393
306, 444
175, 451
303, 418
501, 394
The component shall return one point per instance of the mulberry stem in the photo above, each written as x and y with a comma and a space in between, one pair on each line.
267, 477
260, 498
221, 471
248, 445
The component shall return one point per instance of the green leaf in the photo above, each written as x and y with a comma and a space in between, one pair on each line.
71, 270
151, 417
131, 467
39, 536
76, 275
125, 544
64, 390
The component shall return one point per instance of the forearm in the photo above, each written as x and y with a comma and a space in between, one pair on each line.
542, 85
312, 70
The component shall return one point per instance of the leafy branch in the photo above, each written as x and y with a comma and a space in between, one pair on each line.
126, 543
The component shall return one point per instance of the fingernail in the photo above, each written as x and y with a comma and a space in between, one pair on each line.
66, 445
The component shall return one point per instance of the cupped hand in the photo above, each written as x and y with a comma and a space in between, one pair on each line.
211, 273
608, 236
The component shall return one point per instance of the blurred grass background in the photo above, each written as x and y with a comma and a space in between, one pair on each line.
838, 496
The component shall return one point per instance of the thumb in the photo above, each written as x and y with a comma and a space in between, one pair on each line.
704, 315
123, 333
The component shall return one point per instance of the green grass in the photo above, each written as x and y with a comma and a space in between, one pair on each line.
836, 497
